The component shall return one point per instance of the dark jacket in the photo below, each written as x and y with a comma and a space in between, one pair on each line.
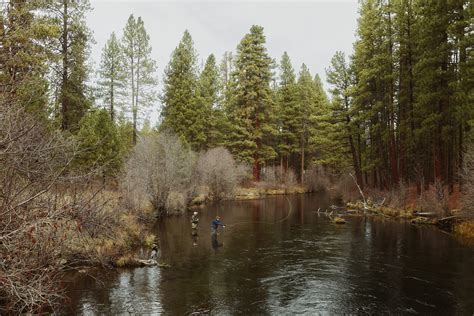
216, 223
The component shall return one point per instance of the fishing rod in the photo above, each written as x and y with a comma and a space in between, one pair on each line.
290, 210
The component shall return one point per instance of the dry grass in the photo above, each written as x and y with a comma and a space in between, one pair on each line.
435, 199
465, 229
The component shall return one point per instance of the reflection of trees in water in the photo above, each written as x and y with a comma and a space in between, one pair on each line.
277, 266
401, 264
116, 292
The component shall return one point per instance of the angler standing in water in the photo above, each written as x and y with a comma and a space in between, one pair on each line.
215, 224
194, 223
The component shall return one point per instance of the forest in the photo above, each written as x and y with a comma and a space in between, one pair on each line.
397, 114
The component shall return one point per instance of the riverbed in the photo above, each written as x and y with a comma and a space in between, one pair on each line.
278, 255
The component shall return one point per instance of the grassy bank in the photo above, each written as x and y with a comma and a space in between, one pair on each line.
108, 234
256, 192
452, 221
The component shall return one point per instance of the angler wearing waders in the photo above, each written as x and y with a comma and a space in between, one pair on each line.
194, 223
215, 224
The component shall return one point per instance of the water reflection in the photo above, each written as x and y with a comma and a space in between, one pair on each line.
261, 264
215, 242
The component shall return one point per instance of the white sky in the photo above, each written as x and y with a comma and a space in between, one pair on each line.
310, 31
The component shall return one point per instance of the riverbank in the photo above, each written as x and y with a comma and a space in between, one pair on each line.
252, 193
453, 221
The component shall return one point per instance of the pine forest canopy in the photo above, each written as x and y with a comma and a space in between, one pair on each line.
400, 107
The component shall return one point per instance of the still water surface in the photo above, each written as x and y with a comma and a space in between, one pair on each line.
278, 256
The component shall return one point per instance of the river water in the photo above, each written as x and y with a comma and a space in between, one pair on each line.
279, 256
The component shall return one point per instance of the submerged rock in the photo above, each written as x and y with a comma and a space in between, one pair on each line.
339, 220
422, 220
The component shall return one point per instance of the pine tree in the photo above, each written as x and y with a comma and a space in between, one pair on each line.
25, 54
112, 76
99, 142
181, 114
345, 131
251, 108
72, 74
226, 68
410, 106
433, 93
287, 98
306, 117
208, 98
404, 35
374, 91
140, 70
322, 151
463, 31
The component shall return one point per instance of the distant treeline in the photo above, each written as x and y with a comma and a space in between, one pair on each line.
405, 97
400, 109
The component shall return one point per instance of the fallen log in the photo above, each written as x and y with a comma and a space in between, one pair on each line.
149, 262
424, 214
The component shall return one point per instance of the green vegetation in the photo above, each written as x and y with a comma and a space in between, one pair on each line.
181, 113
139, 70
405, 95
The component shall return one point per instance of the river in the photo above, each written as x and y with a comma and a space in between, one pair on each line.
279, 256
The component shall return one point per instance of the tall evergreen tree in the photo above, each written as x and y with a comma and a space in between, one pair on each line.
320, 143
180, 112
287, 98
340, 76
251, 109
226, 68
373, 94
410, 97
404, 35
112, 76
25, 54
306, 115
140, 70
208, 98
72, 72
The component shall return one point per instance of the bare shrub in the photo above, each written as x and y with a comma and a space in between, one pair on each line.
435, 199
345, 189
269, 176
218, 171
159, 164
44, 208
286, 177
176, 202
277, 177
397, 197
316, 179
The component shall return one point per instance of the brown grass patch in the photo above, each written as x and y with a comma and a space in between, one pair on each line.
465, 229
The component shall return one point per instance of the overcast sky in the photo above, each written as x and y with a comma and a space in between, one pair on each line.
310, 31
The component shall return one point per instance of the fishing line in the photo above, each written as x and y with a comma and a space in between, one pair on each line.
290, 210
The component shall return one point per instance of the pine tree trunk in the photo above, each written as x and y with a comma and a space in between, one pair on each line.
256, 168
393, 145
256, 158
135, 113
65, 62
112, 100
355, 159
302, 160
134, 132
